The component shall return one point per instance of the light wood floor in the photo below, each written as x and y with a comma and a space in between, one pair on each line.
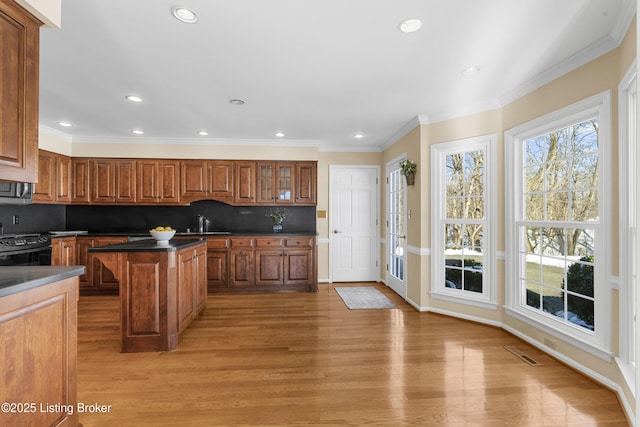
305, 359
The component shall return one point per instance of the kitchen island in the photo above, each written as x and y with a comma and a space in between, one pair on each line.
162, 289
38, 345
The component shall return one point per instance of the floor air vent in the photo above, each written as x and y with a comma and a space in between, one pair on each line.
523, 356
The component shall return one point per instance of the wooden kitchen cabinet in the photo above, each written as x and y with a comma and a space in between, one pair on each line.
113, 181
192, 285
245, 183
83, 243
275, 183
19, 44
241, 262
63, 251
305, 186
207, 179
158, 182
217, 264
45, 188
38, 338
63, 179
54, 178
80, 181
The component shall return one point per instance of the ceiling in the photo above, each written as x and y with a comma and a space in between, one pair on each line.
319, 71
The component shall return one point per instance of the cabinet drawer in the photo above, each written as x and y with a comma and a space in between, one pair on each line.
268, 243
299, 242
242, 242
217, 243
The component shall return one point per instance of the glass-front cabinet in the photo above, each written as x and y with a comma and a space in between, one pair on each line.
275, 182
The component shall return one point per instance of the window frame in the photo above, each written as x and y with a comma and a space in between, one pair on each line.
488, 298
627, 152
598, 342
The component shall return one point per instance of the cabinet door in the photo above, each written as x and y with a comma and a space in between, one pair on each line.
242, 267
200, 267
221, 180
19, 44
103, 182
83, 258
125, 181
63, 179
185, 289
245, 180
305, 183
265, 186
169, 187
269, 267
80, 189
46, 186
63, 251
285, 183
148, 181
298, 267
193, 179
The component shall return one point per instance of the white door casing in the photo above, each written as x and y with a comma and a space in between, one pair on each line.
353, 223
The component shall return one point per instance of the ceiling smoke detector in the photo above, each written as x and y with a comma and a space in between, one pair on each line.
184, 15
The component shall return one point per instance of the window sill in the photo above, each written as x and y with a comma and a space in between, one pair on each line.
489, 305
591, 348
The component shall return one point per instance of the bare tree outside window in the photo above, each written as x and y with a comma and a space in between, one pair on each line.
560, 202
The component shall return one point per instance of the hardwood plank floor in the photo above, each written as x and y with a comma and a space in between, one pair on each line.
305, 359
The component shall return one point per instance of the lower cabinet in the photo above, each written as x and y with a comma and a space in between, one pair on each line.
265, 264
191, 284
75, 251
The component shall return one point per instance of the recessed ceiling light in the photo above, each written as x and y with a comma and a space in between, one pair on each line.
133, 98
185, 15
236, 101
137, 131
65, 124
469, 71
359, 135
279, 134
202, 133
410, 25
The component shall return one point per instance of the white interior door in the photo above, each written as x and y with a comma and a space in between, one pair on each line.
396, 228
353, 222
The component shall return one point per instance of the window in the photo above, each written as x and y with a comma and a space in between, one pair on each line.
463, 221
557, 262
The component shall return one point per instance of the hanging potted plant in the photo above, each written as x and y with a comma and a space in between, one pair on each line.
408, 169
278, 216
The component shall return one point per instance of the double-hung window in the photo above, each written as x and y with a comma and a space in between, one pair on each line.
557, 229
464, 221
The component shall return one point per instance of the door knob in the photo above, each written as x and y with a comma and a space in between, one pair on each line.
336, 231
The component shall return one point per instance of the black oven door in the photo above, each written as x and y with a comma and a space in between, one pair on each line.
39, 256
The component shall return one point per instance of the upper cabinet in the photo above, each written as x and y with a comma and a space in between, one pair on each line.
19, 44
306, 179
173, 182
157, 181
275, 183
54, 178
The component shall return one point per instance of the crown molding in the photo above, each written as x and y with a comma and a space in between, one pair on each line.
197, 141
404, 130
54, 132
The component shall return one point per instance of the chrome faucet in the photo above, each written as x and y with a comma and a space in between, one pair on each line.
201, 221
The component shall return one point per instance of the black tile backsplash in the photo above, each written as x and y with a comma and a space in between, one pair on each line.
32, 218
223, 217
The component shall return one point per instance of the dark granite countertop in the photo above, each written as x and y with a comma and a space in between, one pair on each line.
194, 234
23, 278
148, 245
